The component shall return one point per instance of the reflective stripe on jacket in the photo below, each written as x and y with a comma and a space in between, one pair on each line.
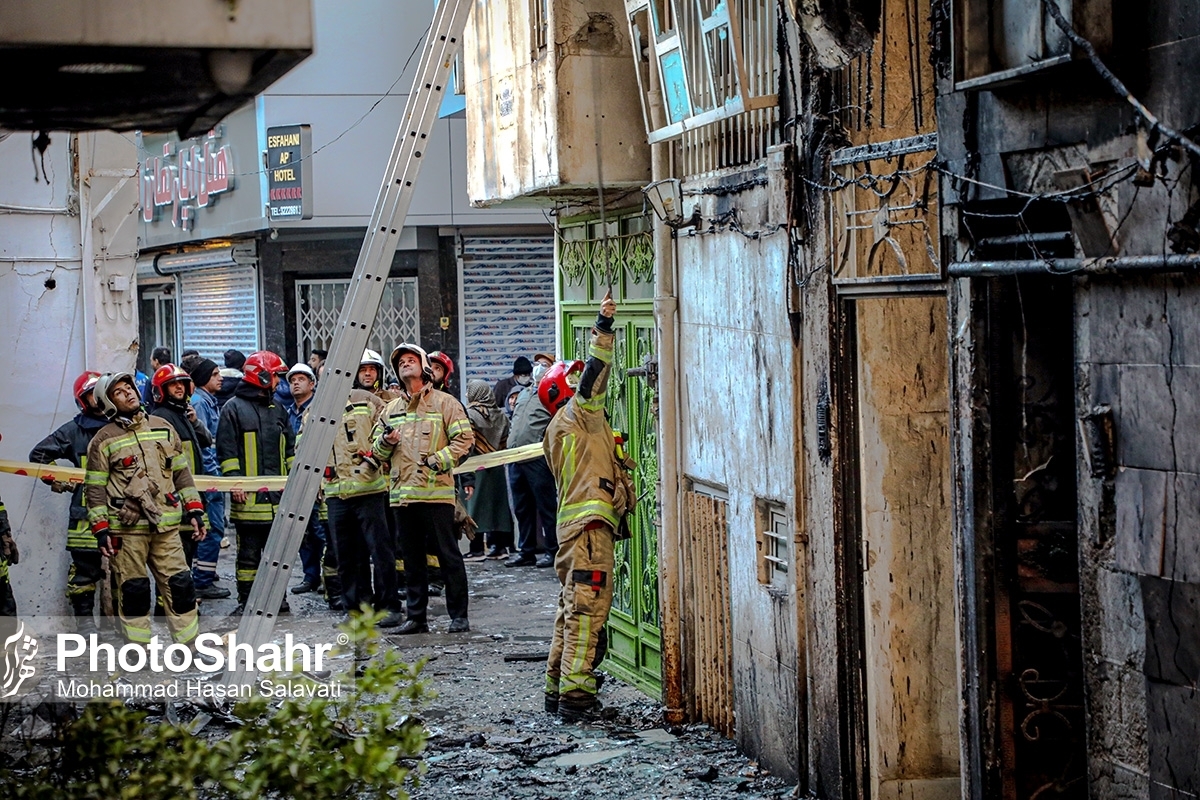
254, 437
579, 447
430, 423
70, 443
140, 458
353, 468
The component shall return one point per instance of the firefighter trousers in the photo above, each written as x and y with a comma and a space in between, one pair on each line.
585, 569
163, 554
8, 603
363, 542
251, 539
83, 577
416, 522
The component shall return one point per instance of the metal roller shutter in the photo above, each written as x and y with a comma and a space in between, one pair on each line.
218, 309
508, 303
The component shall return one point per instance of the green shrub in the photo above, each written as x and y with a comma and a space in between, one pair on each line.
361, 744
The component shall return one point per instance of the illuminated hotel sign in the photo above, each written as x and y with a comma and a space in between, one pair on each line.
187, 176
289, 172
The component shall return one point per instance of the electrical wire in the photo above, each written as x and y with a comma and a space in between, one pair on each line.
352, 125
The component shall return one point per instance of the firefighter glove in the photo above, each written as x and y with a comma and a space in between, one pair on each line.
130, 512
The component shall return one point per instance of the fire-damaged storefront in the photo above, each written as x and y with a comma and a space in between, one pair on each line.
201, 211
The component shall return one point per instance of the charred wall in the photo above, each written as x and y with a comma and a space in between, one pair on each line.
1012, 154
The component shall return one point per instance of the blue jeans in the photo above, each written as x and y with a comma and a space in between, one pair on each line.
312, 549
204, 567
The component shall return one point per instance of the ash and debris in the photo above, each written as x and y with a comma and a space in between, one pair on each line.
488, 732
489, 735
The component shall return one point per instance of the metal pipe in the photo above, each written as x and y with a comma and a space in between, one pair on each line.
9, 208
87, 262
1108, 265
670, 530
1025, 238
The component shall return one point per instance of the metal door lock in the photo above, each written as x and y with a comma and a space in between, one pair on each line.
648, 372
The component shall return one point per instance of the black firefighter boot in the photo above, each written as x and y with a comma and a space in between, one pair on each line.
84, 606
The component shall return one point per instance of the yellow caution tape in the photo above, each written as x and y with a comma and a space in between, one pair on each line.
268, 483
526, 452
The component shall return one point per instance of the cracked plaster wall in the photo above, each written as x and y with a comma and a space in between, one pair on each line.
739, 434
42, 342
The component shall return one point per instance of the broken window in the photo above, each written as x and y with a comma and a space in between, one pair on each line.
714, 60
773, 538
1001, 40
885, 212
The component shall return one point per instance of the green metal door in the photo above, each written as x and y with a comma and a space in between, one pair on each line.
635, 636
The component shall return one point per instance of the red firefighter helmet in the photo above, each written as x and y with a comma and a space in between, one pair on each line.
84, 384
168, 373
443, 359
558, 384
260, 366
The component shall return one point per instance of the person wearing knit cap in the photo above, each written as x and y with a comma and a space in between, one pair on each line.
206, 380
231, 375
235, 359
522, 375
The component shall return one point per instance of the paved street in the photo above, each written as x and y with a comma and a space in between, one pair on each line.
489, 734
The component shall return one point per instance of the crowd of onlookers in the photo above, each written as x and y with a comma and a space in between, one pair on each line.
192, 398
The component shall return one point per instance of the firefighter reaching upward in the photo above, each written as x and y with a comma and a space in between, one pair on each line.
138, 491
594, 493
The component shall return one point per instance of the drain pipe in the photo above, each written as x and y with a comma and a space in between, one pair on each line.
670, 528
1104, 265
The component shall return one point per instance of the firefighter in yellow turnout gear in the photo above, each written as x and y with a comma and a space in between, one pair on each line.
139, 490
594, 493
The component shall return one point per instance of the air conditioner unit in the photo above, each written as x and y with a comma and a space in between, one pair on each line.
147, 64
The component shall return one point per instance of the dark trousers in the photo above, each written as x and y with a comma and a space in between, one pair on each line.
251, 539
413, 521
83, 578
535, 503
8, 603
363, 538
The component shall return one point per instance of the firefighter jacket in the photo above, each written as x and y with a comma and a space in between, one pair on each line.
193, 436
430, 423
580, 449
70, 443
353, 468
140, 459
254, 437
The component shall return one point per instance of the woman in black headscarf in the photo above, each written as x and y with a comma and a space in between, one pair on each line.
488, 503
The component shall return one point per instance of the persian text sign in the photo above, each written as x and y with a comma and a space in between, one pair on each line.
187, 176
289, 172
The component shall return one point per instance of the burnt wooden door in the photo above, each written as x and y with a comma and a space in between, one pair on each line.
1035, 615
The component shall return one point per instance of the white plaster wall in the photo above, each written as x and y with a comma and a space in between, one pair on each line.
737, 427
42, 337
42, 334
352, 92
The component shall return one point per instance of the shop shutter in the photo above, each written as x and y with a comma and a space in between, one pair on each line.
507, 303
218, 309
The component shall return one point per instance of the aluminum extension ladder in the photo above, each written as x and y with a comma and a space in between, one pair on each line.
350, 336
